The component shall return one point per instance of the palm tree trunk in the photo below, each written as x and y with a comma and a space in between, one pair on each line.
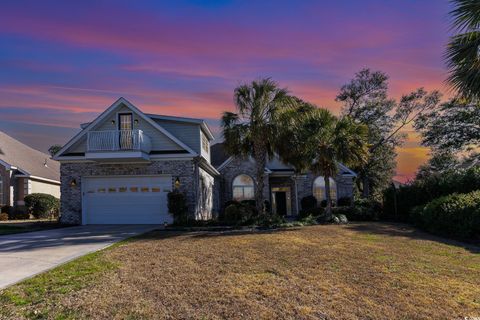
260, 162
328, 209
366, 187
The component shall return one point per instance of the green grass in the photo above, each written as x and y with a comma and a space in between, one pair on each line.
61, 281
11, 229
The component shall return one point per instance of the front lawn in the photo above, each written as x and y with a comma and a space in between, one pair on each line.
19, 226
368, 271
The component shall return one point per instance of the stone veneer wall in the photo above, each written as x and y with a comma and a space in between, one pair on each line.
223, 190
236, 167
71, 201
305, 186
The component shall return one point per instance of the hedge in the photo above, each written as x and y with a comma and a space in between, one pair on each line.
455, 215
42, 205
422, 191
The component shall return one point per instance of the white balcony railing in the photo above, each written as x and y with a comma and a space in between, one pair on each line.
118, 140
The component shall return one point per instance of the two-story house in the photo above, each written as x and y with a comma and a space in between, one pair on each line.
119, 169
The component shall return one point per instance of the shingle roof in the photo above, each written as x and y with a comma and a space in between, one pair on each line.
218, 154
27, 159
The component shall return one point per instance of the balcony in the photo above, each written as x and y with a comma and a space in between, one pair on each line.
118, 145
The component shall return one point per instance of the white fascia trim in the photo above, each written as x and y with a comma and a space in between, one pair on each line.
7, 165
36, 178
225, 163
345, 168
171, 155
109, 110
208, 166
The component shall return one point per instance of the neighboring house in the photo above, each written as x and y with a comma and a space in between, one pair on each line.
119, 169
24, 170
283, 188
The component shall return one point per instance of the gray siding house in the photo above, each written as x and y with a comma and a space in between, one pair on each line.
24, 171
120, 167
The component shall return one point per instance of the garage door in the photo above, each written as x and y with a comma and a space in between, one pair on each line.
126, 200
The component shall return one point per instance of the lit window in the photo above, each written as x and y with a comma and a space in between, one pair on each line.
133, 189
144, 189
155, 189
319, 189
112, 189
101, 190
242, 188
122, 189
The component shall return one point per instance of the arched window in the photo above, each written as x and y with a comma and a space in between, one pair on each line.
1, 191
242, 188
319, 189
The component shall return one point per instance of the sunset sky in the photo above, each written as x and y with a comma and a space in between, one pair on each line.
63, 62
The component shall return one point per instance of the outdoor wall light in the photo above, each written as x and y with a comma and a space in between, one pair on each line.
113, 121
177, 183
73, 183
136, 121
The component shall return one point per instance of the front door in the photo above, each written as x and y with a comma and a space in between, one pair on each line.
281, 203
125, 125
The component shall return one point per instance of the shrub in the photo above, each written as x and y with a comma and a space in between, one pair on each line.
3, 216
308, 202
42, 205
177, 206
423, 191
6, 209
455, 215
230, 202
344, 202
311, 212
269, 220
238, 214
20, 214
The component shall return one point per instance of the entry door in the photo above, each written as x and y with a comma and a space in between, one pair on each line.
281, 203
125, 125
126, 200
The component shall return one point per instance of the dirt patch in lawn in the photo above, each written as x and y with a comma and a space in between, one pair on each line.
368, 271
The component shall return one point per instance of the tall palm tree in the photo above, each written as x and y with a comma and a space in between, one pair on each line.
253, 130
463, 50
321, 141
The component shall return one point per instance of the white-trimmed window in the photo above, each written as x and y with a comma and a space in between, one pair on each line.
1, 190
319, 191
242, 188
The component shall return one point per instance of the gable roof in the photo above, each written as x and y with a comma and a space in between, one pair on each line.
219, 159
117, 104
201, 122
27, 160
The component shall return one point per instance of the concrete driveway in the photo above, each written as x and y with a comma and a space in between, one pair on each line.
24, 255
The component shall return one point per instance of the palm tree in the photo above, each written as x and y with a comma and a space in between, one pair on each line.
253, 130
321, 141
463, 50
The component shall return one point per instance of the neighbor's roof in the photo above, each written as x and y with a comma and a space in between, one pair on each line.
28, 160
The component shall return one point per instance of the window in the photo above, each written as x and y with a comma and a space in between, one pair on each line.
205, 143
319, 189
1, 191
242, 188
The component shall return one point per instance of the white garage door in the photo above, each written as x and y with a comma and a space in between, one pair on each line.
126, 200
